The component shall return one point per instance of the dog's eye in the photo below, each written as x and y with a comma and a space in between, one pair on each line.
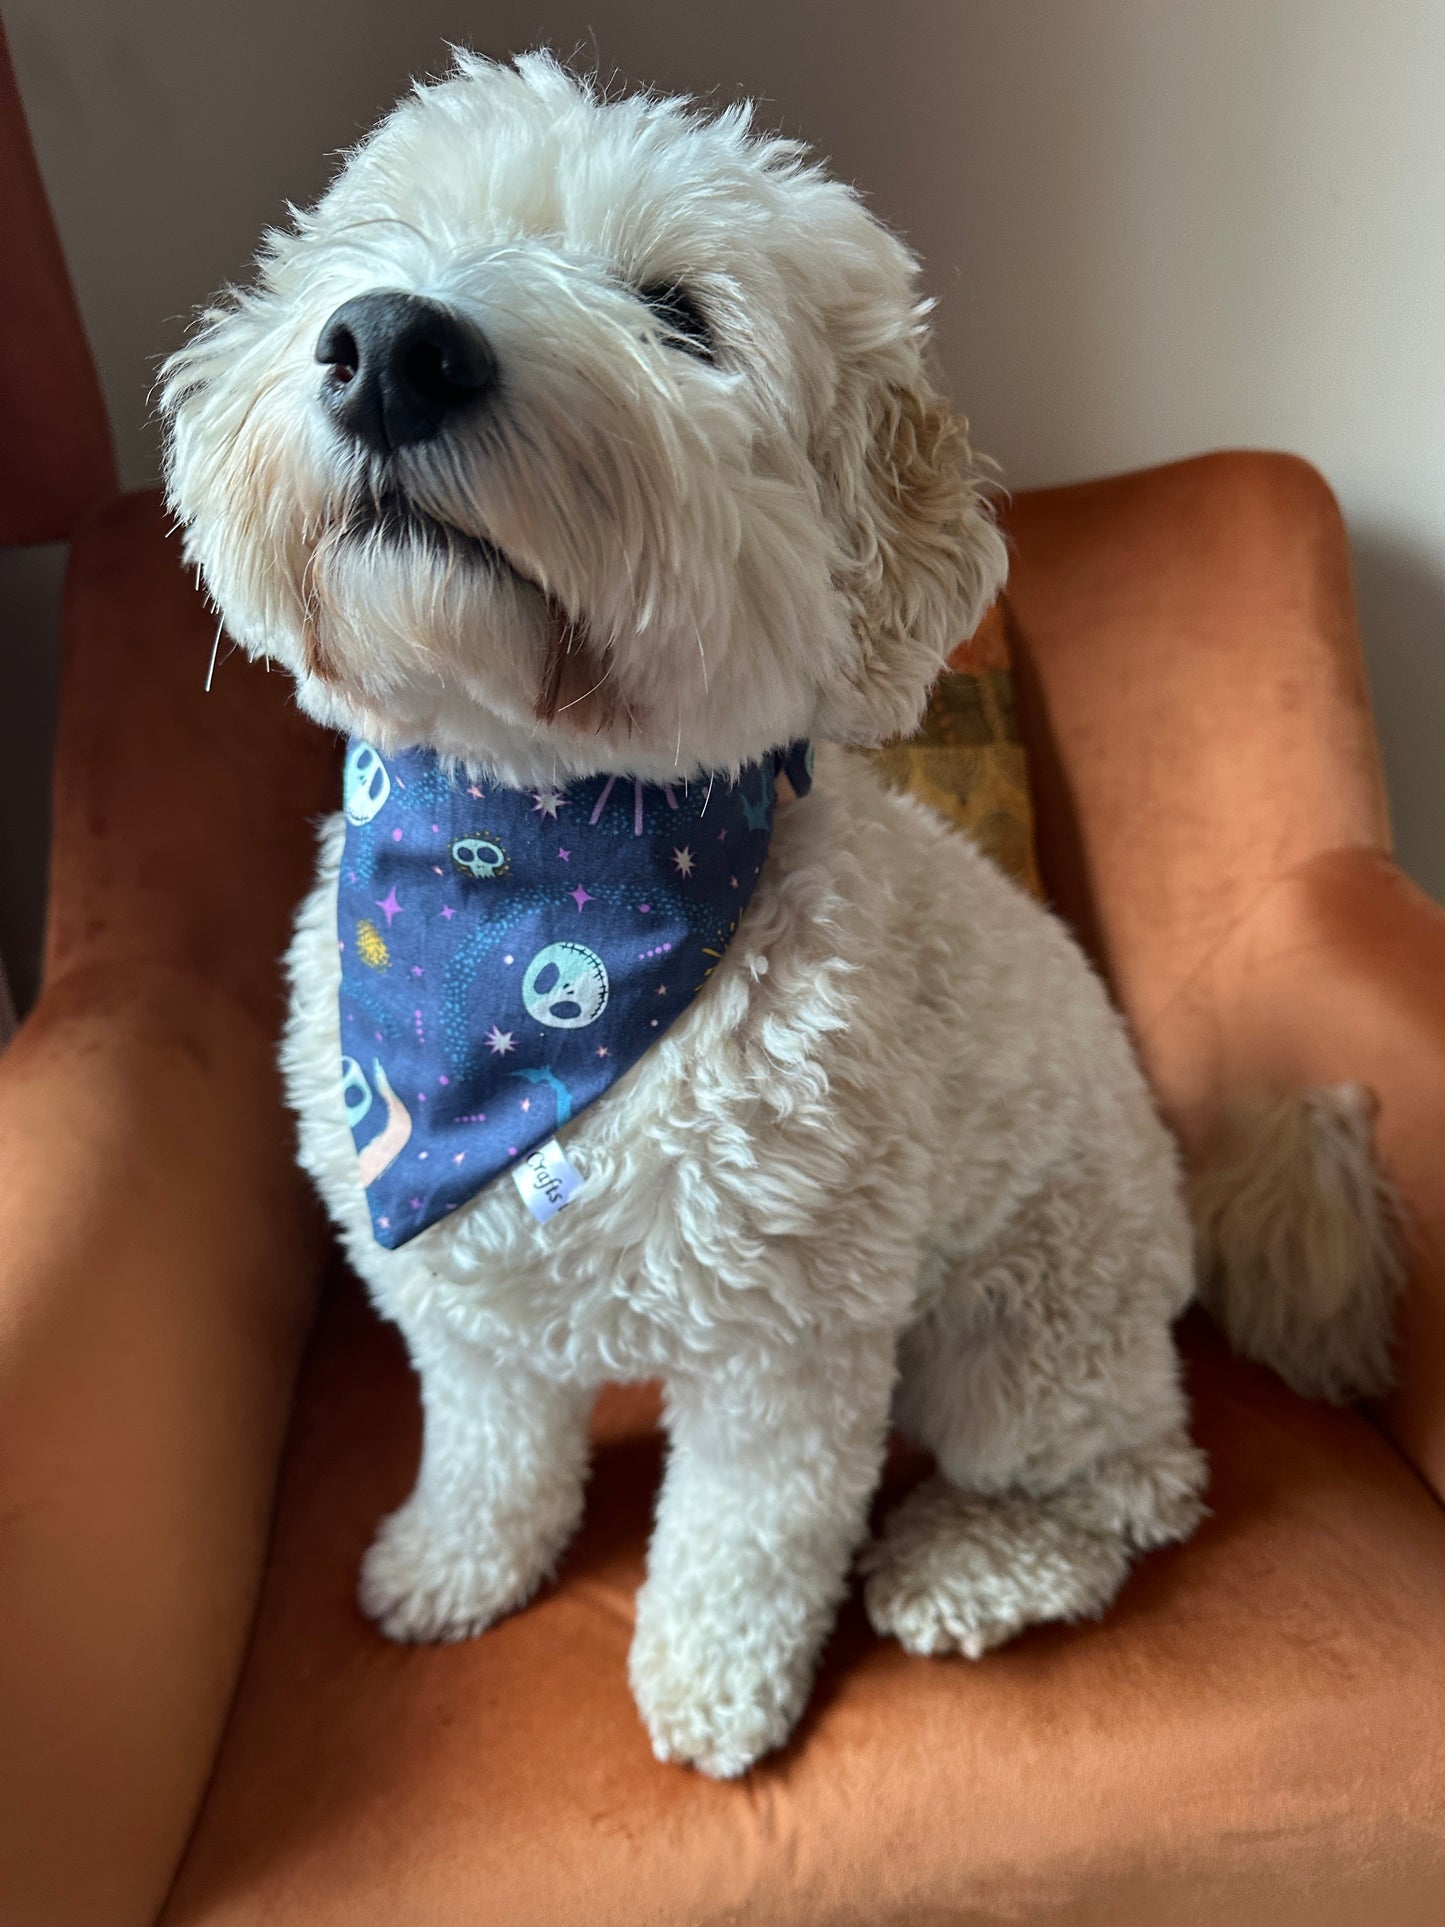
685, 321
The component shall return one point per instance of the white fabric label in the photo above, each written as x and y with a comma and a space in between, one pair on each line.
546, 1180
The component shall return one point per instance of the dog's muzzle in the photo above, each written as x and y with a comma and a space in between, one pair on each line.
400, 368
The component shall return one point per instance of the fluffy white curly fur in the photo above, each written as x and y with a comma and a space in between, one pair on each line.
897, 1163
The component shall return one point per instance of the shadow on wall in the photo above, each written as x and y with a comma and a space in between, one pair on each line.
1401, 591
30, 583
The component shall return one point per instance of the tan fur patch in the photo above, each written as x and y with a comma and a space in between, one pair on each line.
575, 688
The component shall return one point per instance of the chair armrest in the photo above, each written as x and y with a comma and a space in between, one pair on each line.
158, 1262
1193, 700
1212, 821
159, 1253
1337, 974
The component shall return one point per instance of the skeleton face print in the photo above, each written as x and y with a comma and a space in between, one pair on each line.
479, 856
365, 784
355, 1092
565, 986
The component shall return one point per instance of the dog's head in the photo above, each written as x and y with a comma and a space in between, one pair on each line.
570, 434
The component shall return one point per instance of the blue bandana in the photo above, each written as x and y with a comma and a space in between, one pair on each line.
506, 955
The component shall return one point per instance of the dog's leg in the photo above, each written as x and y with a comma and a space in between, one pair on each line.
768, 1483
962, 1572
499, 1494
1045, 1382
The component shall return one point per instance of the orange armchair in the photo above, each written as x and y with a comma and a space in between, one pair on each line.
190, 1702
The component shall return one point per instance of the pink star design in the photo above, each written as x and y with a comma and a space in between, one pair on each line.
662, 990
385, 1223
601, 1050
580, 896
389, 905
447, 912
499, 1041
415, 1204
565, 855
472, 790
416, 970
459, 1156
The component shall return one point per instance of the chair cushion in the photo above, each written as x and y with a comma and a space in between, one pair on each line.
966, 759
1255, 1732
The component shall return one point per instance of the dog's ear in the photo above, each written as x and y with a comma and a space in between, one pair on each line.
920, 558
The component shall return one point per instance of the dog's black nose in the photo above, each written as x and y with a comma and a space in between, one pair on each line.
400, 366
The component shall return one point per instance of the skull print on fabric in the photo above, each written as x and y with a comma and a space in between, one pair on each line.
506, 955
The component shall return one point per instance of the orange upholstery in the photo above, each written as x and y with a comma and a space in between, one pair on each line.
159, 1255
1212, 818
1255, 1735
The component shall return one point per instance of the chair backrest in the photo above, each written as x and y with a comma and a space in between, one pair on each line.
56, 459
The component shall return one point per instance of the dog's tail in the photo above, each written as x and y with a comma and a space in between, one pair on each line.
1299, 1240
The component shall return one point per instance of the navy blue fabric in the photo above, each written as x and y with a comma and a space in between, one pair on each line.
507, 954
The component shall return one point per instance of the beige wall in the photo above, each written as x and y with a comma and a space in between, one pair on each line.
1154, 226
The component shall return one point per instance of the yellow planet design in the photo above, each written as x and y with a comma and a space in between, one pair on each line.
371, 945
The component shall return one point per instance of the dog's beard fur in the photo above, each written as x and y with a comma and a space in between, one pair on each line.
633, 558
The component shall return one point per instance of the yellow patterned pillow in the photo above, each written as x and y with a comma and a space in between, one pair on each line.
967, 759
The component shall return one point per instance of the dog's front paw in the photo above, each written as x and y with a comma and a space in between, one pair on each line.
710, 1698
424, 1580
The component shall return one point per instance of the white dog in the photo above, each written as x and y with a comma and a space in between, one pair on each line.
622, 461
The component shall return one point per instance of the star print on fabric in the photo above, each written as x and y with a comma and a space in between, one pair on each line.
577, 994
